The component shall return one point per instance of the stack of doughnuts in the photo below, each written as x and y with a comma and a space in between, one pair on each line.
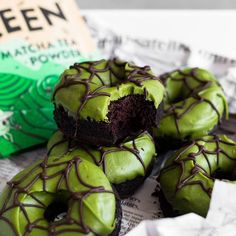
109, 113
104, 110
102, 152
196, 125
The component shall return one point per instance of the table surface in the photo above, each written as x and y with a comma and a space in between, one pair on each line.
210, 30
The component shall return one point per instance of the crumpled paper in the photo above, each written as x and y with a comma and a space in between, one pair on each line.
220, 220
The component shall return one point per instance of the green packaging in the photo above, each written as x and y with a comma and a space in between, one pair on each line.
38, 40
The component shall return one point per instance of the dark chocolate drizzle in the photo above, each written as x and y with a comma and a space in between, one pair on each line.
180, 162
134, 74
72, 145
15, 189
193, 92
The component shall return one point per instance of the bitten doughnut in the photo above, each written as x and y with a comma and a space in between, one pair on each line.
188, 176
33, 199
103, 102
194, 104
126, 165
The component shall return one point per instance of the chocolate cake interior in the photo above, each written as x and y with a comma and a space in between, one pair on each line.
127, 116
131, 114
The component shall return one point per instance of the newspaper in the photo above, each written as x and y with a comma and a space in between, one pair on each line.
11, 166
162, 57
143, 205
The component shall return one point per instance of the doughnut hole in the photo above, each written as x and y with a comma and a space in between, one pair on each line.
56, 211
49, 207
179, 94
58, 206
178, 90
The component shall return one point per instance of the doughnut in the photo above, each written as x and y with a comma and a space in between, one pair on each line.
188, 176
194, 104
32, 203
103, 102
126, 165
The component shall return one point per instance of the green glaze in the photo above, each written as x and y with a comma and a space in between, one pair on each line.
34, 189
119, 164
114, 78
188, 177
193, 105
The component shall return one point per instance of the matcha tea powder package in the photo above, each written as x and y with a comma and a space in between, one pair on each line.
38, 40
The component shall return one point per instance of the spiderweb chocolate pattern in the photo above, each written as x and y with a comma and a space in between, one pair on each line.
46, 171
180, 161
101, 159
119, 72
171, 108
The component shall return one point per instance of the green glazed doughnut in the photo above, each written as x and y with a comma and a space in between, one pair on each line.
77, 186
188, 176
126, 165
104, 101
194, 104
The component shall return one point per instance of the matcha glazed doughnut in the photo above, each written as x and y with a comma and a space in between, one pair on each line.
33, 198
103, 102
194, 104
126, 165
188, 176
